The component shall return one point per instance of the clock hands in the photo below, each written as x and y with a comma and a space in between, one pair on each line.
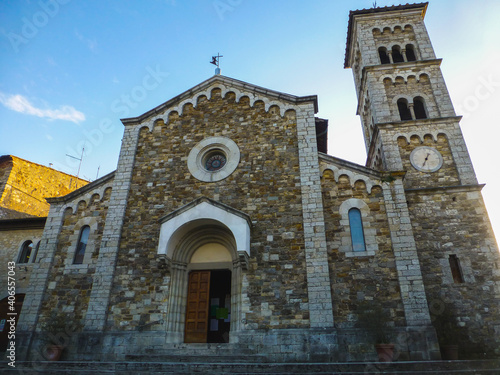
426, 158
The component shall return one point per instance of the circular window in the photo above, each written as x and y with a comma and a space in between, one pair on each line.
213, 159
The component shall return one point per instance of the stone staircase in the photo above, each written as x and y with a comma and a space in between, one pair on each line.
228, 359
215, 365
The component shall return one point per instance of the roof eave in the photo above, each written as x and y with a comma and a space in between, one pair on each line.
227, 80
354, 13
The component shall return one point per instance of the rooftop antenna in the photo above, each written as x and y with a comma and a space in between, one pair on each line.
216, 62
97, 175
79, 165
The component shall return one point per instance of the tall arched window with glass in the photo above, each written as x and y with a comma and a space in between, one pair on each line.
356, 226
81, 245
24, 256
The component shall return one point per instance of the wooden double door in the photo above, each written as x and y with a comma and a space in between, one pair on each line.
208, 308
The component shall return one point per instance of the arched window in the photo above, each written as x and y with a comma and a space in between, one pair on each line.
384, 57
81, 245
419, 107
24, 257
35, 253
404, 110
410, 53
356, 226
397, 57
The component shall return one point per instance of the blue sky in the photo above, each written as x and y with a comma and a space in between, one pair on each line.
70, 69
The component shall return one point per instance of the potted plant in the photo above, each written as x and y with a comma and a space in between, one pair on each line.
55, 335
376, 322
449, 334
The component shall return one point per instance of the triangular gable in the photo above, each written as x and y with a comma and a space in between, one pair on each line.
269, 97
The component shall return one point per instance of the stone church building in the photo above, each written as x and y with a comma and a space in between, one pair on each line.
226, 222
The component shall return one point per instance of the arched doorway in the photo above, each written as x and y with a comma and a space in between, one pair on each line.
205, 285
208, 306
210, 241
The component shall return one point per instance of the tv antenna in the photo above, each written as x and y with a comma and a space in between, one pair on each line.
216, 62
80, 164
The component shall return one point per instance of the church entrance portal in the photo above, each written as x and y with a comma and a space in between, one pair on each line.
208, 309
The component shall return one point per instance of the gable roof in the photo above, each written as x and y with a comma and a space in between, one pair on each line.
241, 86
83, 190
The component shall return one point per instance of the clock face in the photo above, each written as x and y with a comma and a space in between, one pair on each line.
426, 159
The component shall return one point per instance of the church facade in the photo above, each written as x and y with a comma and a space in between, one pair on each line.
227, 223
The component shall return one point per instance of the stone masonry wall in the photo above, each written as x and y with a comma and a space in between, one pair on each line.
10, 245
454, 221
27, 185
161, 183
68, 284
356, 279
447, 175
400, 35
370, 41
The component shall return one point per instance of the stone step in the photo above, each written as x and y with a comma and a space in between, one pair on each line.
200, 350
213, 358
483, 367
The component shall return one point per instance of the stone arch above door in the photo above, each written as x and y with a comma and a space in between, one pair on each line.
182, 234
203, 212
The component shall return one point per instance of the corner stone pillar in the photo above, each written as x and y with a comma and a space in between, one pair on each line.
421, 340
318, 275
95, 318
38, 281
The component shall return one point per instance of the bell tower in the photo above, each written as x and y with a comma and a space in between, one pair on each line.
410, 125
408, 119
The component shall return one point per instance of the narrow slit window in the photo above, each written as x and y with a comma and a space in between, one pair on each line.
456, 270
26, 250
81, 245
404, 110
356, 226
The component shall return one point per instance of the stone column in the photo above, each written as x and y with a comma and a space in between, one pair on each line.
175, 317
411, 106
403, 52
318, 275
38, 281
389, 53
405, 253
421, 337
95, 319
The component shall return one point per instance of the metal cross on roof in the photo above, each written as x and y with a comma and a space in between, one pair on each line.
216, 62
215, 59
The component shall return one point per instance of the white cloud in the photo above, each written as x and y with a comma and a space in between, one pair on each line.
20, 104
